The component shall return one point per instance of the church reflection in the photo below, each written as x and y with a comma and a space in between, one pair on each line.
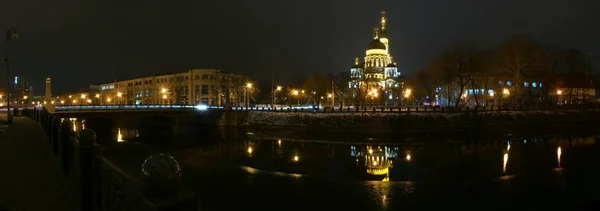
377, 160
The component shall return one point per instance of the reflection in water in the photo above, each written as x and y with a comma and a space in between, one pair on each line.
119, 135
505, 162
261, 173
558, 154
74, 122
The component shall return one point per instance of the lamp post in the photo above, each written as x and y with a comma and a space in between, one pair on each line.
11, 35
246, 95
275, 95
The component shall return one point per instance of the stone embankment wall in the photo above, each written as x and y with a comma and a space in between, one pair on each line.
418, 122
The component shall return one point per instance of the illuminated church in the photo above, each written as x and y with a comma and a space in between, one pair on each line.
377, 76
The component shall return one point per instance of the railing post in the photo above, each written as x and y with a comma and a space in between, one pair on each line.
56, 135
87, 147
64, 146
49, 127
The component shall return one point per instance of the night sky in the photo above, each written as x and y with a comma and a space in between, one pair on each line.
78, 42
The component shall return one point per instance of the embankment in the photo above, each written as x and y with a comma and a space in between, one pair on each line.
411, 123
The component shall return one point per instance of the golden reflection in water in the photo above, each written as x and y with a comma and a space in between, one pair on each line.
75, 126
505, 162
508, 147
83, 124
119, 136
558, 155
279, 142
408, 157
249, 150
296, 158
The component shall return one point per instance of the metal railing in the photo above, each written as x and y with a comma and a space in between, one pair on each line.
349, 109
95, 183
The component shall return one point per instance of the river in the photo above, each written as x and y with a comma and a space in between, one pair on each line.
235, 169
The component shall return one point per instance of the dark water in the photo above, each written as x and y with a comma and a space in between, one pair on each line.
233, 170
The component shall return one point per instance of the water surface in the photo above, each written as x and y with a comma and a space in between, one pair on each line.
233, 170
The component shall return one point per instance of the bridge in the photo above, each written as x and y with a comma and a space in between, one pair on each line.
162, 108
128, 108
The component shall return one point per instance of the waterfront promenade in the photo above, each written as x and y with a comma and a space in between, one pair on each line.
30, 177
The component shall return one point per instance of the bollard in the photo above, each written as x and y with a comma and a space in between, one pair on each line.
56, 135
64, 146
87, 147
49, 127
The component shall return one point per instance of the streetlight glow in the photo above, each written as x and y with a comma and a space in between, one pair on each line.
559, 92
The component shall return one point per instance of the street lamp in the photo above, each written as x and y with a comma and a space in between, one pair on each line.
295, 93
279, 88
11, 35
248, 86
163, 91
119, 95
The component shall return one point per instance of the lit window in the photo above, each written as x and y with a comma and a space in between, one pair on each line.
525, 84
534, 84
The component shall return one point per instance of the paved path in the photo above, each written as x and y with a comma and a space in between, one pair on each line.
30, 177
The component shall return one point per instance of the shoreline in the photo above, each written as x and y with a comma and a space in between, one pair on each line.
488, 124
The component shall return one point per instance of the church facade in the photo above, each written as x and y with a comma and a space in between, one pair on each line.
376, 79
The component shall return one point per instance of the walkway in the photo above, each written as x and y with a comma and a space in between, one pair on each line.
30, 177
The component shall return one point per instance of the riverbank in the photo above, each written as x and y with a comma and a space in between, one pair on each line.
421, 123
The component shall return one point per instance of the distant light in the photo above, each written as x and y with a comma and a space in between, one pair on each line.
296, 158
249, 150
201, 107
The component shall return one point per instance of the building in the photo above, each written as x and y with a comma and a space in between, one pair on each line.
193, 87
376, 78
20, 91
571, 88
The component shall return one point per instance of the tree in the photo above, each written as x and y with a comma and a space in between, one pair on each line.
316, 85
455, 67
485, 74
575, 61
341, 87
520, 57
428, 83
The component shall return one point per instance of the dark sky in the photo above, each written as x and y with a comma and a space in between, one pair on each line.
78, 42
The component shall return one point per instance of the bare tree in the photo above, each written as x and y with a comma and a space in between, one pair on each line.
520, 57
456, 67
428, 83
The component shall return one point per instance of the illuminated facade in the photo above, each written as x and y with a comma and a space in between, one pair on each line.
193, 87
377, 75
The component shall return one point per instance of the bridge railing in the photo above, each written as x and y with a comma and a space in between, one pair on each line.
95, 183
348, 109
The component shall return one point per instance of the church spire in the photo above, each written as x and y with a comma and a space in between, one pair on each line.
383, 21
375, 33
356, 61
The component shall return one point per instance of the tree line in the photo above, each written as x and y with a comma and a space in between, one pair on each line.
518, 59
